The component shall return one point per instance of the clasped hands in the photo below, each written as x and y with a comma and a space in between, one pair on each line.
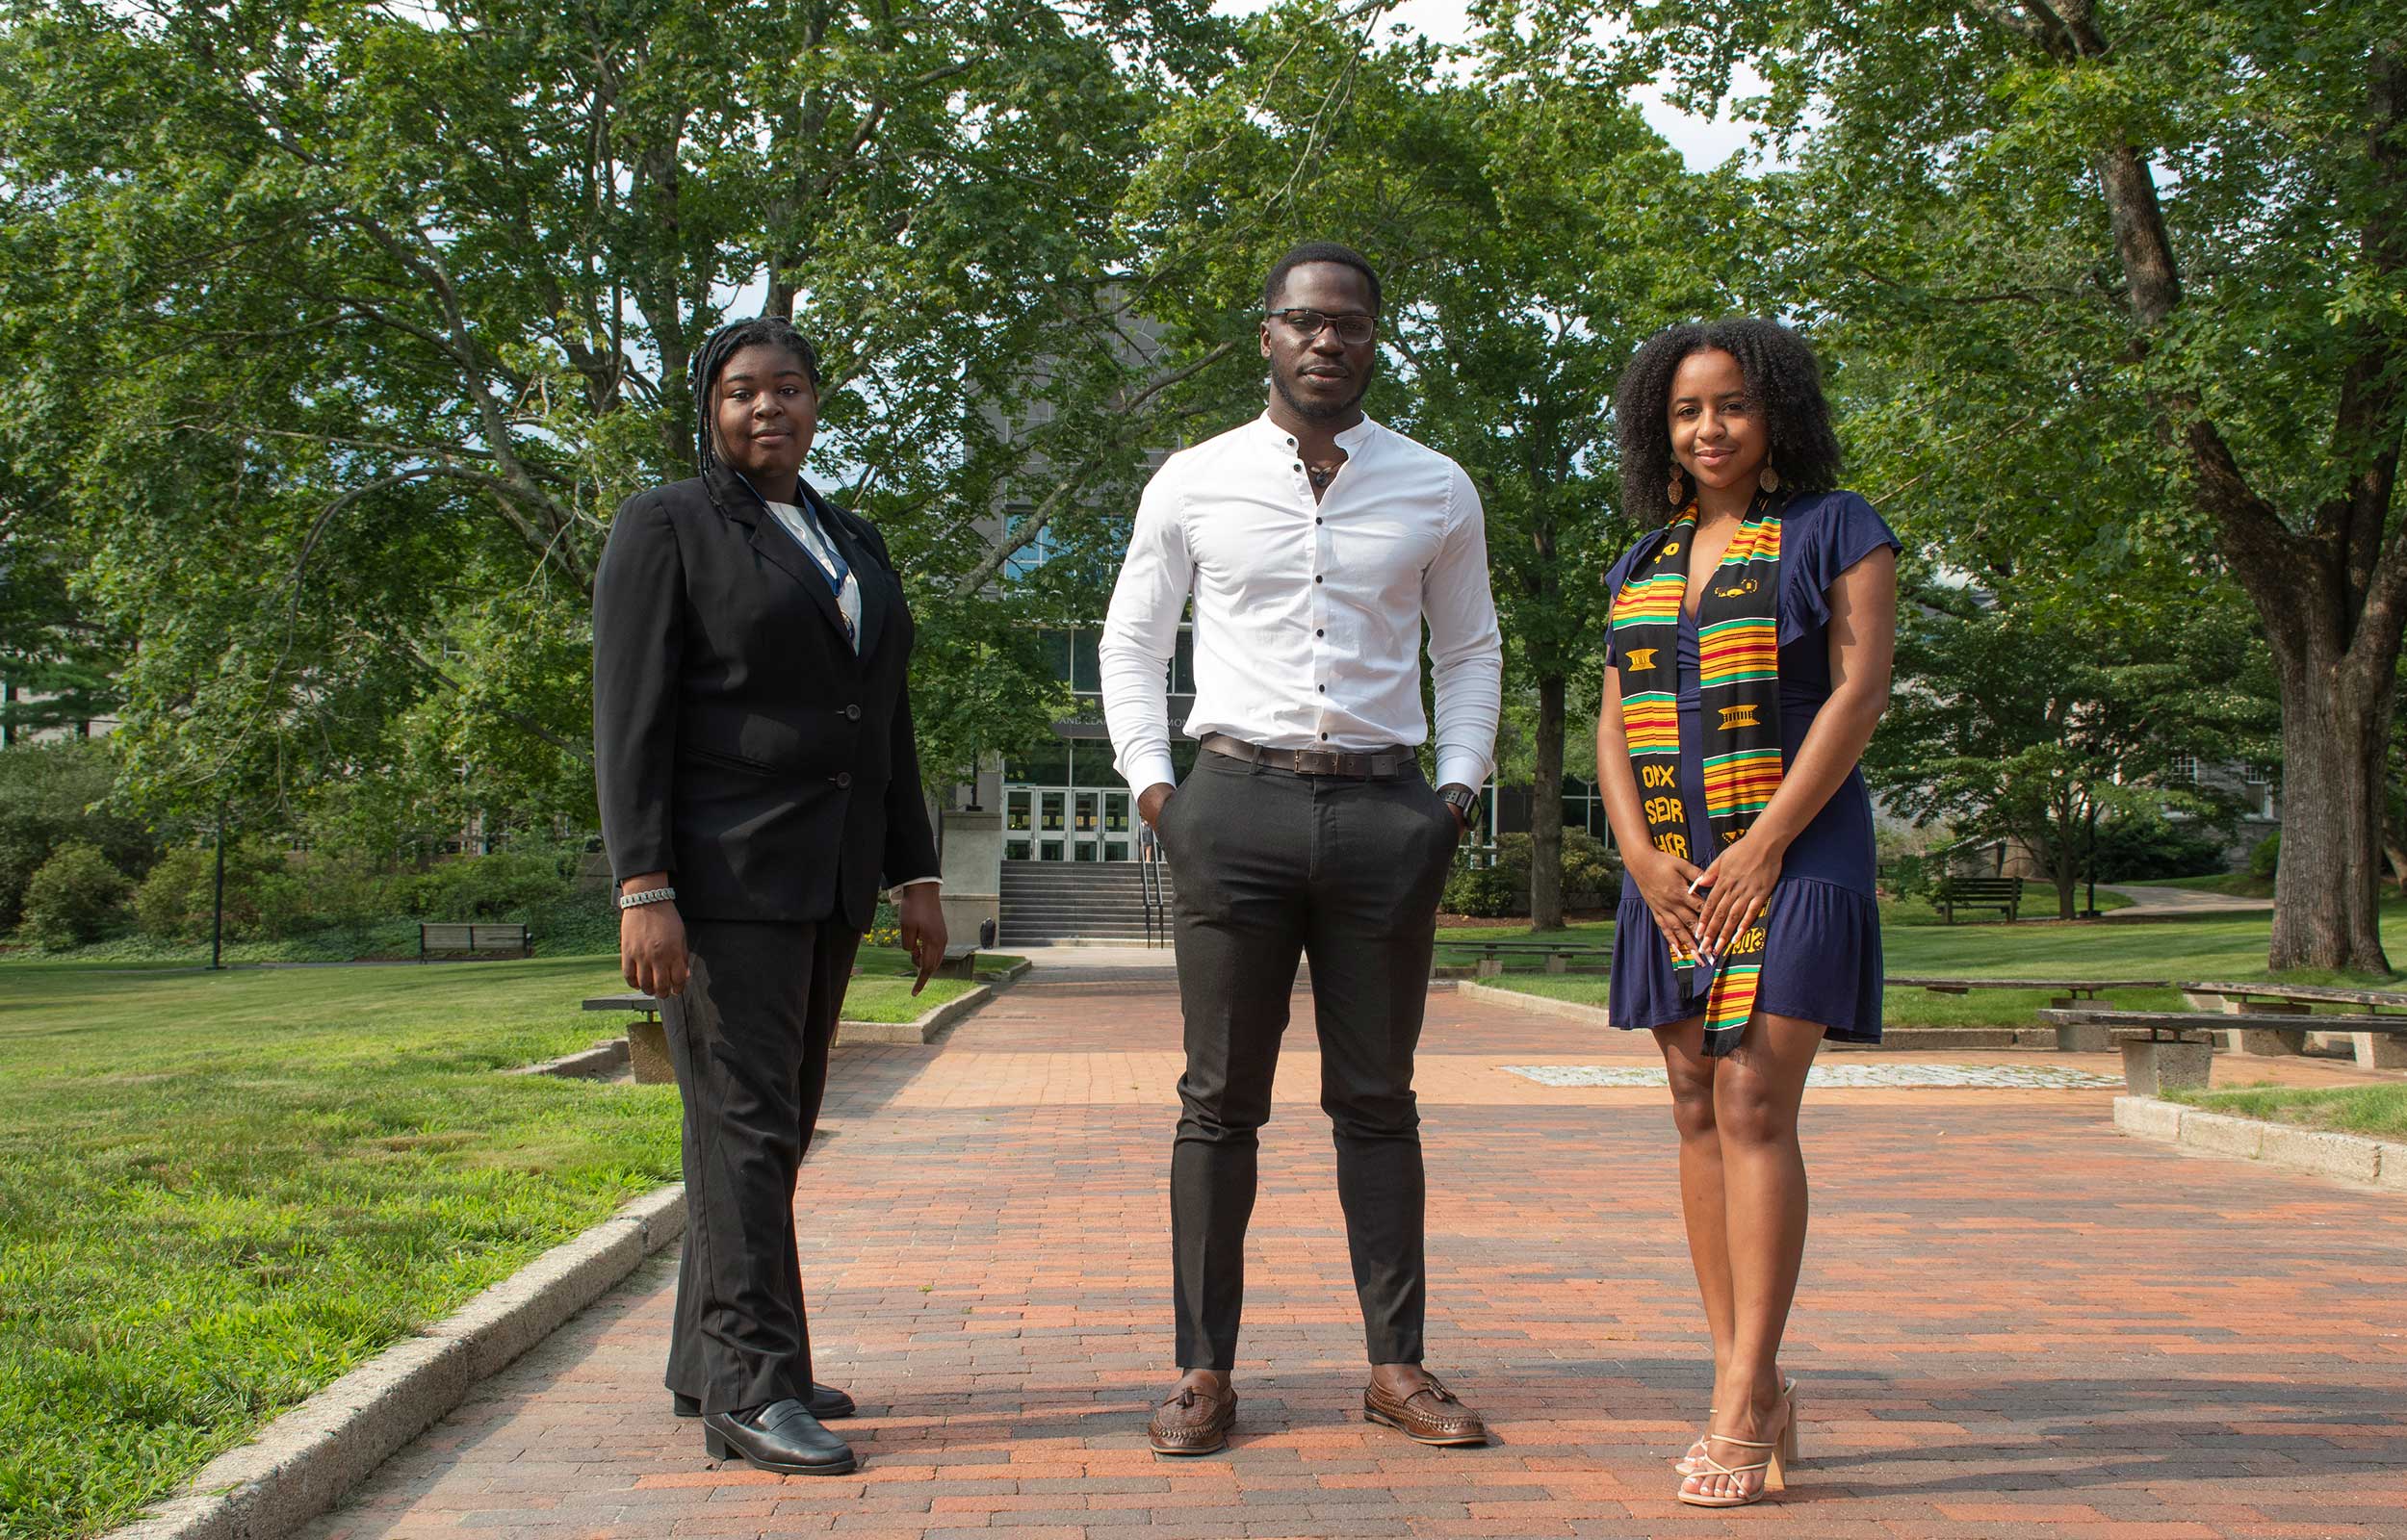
1705, 910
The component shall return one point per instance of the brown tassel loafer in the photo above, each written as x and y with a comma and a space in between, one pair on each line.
1429, 1415
1193, 1421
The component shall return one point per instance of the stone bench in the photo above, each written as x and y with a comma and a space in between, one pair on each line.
2179, 1045
647, 1039
1557, 957
2292, 1006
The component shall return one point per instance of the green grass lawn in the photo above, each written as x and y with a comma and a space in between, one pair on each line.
220, 1191
2379, 1112
2217, 947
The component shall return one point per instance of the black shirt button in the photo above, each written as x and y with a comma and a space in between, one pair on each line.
853, 713
1317, 577
1320, 632
1323, 689
1324, 738
1320, 520
843, 778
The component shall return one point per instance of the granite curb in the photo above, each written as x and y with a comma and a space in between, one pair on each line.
2342, 1157
299, 1465
925, 1028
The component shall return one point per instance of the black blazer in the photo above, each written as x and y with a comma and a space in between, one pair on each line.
740, 744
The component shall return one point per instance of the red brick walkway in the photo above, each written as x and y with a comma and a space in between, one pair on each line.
2013, 1322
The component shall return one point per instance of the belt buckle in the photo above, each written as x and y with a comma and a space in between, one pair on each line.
1317, 761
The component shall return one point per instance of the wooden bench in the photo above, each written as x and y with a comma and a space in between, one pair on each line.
1557, 957
472, 938
2001, 893
2292, 1006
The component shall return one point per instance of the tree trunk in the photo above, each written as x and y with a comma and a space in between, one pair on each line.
1546, 809
2335, 725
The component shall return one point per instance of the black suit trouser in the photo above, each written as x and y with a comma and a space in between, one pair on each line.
749, 1038
1271, 866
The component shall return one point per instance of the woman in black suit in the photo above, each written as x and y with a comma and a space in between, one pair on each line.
759, 783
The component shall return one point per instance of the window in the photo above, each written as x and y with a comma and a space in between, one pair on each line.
1086, 669
2256, 775
2184, 767
1026, 560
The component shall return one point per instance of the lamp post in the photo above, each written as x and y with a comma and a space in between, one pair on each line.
217, 919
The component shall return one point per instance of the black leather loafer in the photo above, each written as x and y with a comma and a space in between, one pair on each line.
782, 1437
827, 1404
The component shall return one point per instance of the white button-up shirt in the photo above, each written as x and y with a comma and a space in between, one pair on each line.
1307, 615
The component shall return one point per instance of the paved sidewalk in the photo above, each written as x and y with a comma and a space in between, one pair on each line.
2015, 1322
2149, 903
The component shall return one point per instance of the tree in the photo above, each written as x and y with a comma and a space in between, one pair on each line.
350, 324
2029, 719
2144, 265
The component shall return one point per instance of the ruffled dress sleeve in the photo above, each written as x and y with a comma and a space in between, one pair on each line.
1829, 538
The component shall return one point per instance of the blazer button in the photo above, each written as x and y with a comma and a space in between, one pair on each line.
853, 713
843, 778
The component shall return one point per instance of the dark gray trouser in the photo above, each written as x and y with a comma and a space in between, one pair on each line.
1270, 866
749, 1038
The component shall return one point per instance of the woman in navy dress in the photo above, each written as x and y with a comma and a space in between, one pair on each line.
1724, 425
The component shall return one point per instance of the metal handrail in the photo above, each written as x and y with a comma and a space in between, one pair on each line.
1151, 860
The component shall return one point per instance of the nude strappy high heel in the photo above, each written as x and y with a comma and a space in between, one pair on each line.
1778, 1453
1686, 1464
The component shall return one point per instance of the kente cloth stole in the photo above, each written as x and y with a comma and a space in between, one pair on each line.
1737, 635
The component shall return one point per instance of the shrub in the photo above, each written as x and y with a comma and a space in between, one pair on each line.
886, 929
1485, 892
177, 902
504, 886
51, 793
2138, 846
2266, 857
75, 898
1592, 873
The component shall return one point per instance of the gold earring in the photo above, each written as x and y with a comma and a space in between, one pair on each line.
1770, 480
1672, 490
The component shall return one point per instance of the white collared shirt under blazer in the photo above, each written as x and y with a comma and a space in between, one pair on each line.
1307, 616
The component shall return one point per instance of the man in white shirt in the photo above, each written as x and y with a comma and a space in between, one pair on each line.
1314, 543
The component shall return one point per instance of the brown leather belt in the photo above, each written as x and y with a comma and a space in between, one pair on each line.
1381, 765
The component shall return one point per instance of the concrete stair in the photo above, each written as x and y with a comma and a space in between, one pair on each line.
1073, 900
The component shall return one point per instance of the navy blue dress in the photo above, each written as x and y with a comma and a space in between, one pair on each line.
1821, 959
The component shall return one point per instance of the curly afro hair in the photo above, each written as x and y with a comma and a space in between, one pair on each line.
1781, 374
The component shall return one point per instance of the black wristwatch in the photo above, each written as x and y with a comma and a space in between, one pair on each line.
1465, 803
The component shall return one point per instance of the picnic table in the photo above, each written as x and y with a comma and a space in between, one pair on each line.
2293, 1005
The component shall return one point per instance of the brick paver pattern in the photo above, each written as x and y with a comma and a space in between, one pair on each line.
2013, 1322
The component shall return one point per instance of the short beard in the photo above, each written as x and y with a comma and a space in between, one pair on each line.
1315, 411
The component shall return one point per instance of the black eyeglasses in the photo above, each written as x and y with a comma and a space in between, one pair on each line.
1353, 327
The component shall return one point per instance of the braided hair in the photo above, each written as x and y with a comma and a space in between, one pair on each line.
724, 344
1782, 377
